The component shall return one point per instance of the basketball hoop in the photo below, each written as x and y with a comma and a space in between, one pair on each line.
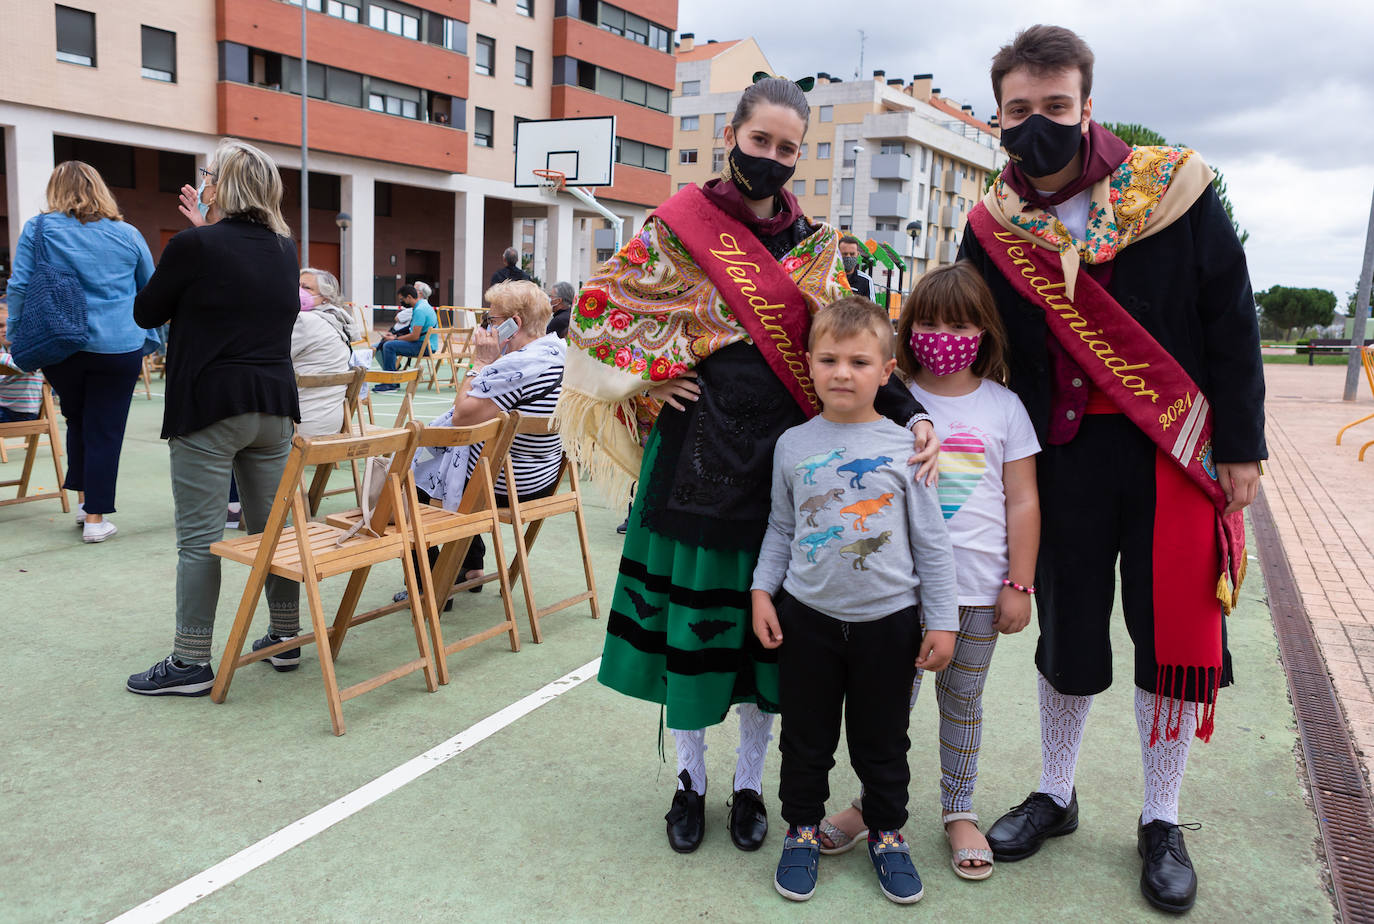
550, 182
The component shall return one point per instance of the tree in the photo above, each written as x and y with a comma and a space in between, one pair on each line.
1350, 300
1287, 308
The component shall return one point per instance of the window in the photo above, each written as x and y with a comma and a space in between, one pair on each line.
847, 191
633, 27
822, 150
159, 54
718, 130
618, 86
381, 199
482, 128
799, 187
324, 191
801, 155
341, 10
525, 7
485, 64
822, 187
515, 130
391, 98
637, 154
892, 147
343, 87
689, 123
885, 226
682, 186
524, 67
827, 113
846, 222
447, 33
687, 156
921, 195
717, 160
396, 18
691, 88
75, 36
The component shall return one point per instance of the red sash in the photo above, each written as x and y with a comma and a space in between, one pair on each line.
1159, 397
742, 269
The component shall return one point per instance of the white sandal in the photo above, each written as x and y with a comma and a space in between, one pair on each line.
843, 842
965, 854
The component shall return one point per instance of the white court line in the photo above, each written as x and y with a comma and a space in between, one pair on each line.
178, 897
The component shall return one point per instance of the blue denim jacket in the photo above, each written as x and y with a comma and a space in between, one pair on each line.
112, 261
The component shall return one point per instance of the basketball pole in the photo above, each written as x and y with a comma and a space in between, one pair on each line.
617, 223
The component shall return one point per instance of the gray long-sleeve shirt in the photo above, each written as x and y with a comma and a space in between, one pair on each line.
849, 533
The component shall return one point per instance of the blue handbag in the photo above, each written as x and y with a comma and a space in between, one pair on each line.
53, 323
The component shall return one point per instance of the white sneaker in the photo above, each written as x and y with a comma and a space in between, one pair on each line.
80, 515
98, 532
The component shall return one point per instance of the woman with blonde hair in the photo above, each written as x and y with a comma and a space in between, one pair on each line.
83, 232
231, 291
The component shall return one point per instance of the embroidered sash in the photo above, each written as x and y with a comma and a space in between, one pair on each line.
743, 270
1159, 397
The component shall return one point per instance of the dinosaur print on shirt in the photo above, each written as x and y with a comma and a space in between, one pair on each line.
861, 467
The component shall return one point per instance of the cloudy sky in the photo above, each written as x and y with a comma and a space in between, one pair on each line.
1279, 96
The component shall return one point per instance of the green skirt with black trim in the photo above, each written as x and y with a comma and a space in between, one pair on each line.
679, 631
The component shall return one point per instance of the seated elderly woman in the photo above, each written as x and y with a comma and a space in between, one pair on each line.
520, 369
321, 344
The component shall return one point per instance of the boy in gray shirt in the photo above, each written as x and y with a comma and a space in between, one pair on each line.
850, 540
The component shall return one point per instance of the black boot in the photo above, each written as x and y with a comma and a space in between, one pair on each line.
748, 819
1020, 832
625, 524
1167, 879
686, 818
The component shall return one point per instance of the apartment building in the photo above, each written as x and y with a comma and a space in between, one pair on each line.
890, 160
412, 108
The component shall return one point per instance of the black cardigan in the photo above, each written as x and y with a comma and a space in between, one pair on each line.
231, 292
1189, 288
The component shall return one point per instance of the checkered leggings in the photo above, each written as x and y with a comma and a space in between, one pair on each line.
959, 693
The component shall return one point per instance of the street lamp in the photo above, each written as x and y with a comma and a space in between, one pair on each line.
913, 230
343, 220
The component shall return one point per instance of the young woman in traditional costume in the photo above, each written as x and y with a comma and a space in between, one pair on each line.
1135, 348
686, 361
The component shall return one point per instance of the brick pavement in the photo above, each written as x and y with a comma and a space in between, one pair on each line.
1320, 497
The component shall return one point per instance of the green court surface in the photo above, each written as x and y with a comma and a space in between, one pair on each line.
108, 799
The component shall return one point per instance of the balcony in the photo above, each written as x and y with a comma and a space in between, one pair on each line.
889, 204
948, 251
932, 247
891, 167
951, 217
897, 240
950, 181
604, 238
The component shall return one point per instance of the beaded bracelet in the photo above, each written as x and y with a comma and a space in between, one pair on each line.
1025, 589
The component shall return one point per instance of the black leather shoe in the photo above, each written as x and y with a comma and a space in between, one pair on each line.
686, 818
1020, 833
1167, 879
748, 820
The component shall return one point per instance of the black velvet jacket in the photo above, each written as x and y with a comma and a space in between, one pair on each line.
1188, 287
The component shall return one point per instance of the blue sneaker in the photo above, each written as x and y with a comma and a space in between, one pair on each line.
897, 875
385, 387
796, 875
167, 678
287, 660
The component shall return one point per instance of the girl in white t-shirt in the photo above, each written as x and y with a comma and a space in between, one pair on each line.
950, 343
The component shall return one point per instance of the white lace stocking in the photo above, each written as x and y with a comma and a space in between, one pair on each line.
1164, 761
691, 756
1062, 718
754, 728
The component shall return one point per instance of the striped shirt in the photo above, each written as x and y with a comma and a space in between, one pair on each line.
535, 458
22, 394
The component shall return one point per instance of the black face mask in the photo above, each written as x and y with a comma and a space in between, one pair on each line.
1041, 146
757, 177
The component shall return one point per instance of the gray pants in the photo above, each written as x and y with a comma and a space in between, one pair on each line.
254, 446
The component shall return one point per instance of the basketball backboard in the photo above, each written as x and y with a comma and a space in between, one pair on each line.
582, 148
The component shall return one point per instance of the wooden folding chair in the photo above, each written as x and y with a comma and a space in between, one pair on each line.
353, 384
309, 552
1366, 361
452, 532
433, 358
31, 431
527, 517
459, 356
409, 378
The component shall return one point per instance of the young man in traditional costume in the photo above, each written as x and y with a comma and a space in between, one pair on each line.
686, 361
1135, 347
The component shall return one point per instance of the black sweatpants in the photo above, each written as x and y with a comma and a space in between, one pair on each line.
865, 669
475, 559
1097, 504
95, 390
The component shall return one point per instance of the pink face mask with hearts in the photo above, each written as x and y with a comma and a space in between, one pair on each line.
945, 354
